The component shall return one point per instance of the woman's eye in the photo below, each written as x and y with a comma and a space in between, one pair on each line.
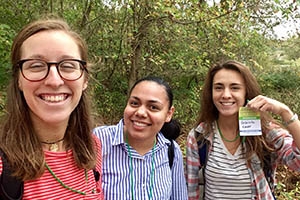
36, 67
152, 107
133, 103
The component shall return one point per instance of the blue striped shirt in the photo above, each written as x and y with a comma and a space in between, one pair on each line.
117, 182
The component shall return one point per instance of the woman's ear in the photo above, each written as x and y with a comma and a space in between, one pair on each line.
85, 84
170, 114
20, 85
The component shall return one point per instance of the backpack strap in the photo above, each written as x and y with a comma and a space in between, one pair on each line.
96, 175
203, 154
11, 188
171, 153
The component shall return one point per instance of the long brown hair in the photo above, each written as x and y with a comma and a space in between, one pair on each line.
18, 139
209, 113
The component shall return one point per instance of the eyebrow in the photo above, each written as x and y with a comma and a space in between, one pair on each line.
148, 101
234, 84
42, 57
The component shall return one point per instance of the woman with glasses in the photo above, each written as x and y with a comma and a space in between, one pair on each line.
47, 149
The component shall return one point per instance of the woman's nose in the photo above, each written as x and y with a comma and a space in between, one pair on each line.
141, 111
53, 77
227, 93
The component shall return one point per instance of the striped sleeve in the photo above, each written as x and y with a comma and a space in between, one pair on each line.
179, 190
287, 151
192, 166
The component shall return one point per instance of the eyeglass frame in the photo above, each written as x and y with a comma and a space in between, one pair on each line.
49, 64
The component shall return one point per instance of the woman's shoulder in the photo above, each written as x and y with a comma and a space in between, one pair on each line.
97, 141
104, 131
197, 129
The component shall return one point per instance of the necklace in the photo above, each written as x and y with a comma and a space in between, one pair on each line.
222, 136
131, 170
53, 145
62, 183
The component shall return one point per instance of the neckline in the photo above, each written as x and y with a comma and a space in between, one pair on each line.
63, 184
237, 152
223, 137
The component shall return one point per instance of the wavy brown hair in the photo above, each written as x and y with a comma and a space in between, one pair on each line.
18, 138
209, 113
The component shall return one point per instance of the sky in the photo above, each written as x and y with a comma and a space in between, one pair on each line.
286, 29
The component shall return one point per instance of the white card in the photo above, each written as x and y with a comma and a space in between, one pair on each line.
249, 122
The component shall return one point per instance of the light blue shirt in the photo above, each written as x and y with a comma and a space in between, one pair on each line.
117, 182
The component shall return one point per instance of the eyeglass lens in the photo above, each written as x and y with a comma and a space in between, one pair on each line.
36, 70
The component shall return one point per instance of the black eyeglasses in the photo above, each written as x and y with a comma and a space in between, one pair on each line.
37, 69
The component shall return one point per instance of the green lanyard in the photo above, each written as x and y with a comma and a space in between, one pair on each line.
131, 170
64, 185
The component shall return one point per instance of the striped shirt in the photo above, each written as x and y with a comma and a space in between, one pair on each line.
287, 153
118, 183
226, 175
64, 167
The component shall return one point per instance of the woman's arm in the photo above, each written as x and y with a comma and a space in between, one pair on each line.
179, 189
290, 119
192, 166
285, 141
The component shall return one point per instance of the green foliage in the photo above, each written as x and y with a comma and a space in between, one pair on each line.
6, 35
282, 84
285, 194
187, 102
281, 79
110, 99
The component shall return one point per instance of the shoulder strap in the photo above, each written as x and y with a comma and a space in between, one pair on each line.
96, 175
11, 188
171, 153
202, 151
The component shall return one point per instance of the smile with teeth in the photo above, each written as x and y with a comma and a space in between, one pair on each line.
141, 124
54, 98
227, 103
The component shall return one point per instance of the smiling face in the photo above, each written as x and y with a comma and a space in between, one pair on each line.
52, 100
228, 92
146, 111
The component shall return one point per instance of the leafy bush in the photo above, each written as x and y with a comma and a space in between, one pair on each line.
280, 79
6, 35
283, 85
288, 184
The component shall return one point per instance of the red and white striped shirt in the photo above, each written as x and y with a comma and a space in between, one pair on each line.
64, 167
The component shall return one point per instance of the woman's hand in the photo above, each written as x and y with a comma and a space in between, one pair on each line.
265, 104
